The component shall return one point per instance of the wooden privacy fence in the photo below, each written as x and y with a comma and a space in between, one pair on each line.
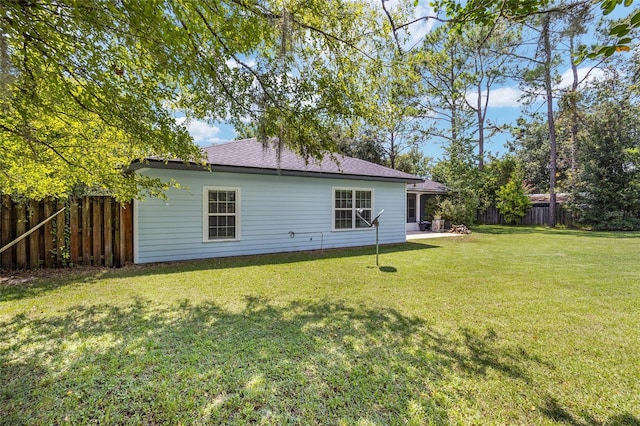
538, 214
90, 231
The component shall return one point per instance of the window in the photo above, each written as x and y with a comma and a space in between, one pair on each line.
221, 214
345, 204
411, 208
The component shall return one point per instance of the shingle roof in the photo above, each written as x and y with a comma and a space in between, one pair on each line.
428, 186
251, 154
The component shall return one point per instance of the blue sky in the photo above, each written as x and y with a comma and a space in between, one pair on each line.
504, 106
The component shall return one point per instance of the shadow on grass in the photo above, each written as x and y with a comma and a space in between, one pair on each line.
553, 410
303, 363
520, 230
39, 283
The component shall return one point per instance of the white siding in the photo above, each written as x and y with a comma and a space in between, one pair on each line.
270, 208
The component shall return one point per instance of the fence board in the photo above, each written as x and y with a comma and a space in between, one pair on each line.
96, 231
86, 231
536, 215
74, 232
48, 239
107, 229
125, 232
91, 230
33, 214
61, 226
7, 231
21, 228
128, 233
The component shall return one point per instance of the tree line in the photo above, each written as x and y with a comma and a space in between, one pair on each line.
88, 87
577, 136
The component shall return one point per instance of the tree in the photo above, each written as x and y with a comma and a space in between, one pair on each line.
491, 12
365, 146
547, 53
87, 87
458, 171
607, 193
512, 200
414, 162
491, 51
444, 67
530, 144
392, 118
496, 174
541, 78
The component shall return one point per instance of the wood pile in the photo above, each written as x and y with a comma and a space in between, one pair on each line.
459, 229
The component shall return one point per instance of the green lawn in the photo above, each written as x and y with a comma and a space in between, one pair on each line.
505, 326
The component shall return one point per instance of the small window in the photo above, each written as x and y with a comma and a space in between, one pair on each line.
221, 214
345, 204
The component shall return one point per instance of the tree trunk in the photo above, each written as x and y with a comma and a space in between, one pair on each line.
479, 111
550, 119
574, 112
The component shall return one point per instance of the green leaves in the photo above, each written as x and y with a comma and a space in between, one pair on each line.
87, 87
512, 199
620, 30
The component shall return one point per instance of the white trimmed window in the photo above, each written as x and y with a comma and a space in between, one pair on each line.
346, 201
221, 214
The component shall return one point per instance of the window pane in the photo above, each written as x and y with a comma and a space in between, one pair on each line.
343, 219
343, 199
222, 227
222, 220
366, 214
363, 199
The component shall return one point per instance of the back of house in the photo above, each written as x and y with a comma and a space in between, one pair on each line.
255, 198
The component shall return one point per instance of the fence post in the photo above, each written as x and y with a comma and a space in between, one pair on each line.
96, 231
61, 243
6, 261
108, 233
86, 231
48, 234
75, 224
21, 228
33, 213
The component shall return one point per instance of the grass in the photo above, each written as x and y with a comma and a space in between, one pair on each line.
506, 326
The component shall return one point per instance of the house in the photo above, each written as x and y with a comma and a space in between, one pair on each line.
417, 195
256, 199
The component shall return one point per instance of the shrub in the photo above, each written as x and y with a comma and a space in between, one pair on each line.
512, 200
459, 209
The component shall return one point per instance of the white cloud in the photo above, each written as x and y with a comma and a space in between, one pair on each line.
421, 28
232, 63
503, 97
586, 74
202, 132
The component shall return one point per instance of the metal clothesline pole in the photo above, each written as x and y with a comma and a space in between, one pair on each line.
373, 223
376, 223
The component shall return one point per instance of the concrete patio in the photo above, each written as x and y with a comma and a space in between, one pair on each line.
418, 235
